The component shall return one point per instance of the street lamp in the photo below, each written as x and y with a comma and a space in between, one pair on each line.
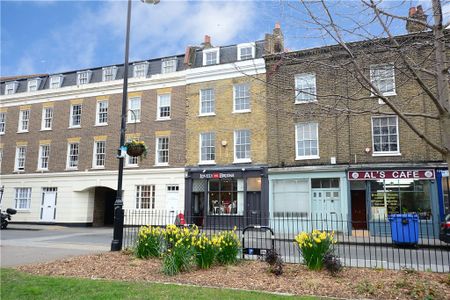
116, 244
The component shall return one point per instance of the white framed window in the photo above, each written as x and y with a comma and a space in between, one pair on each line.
23, 199
1, 157
73, 156
24, 120
134, 110
307, 140
34, 84
241, 98
11, 87
246, 51
21, 153
207, 148
162, 151
140, 70
291, 198
207, 102
84, 77
305, 88
109, 73
47, 118
242, 147
385, 136
2, 122
383, 78
145, 197
211, 56
163, 107
131, 161
75, 115
44, 156
169, 65
56, 81
102, 113
99, 157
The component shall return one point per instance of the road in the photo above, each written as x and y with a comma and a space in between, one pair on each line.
25, 244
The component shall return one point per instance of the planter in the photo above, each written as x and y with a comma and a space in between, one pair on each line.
135, 150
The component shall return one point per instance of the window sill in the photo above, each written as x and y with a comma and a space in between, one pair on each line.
388, 94
98, 168
387, 154
211, 162
74, 127
161, 165
23, 210
131, 166
207, 115
244, 111
101, 124
134, 122
23, 131
242, 161
305, 101
2, 133
46, 129
307, 157
163, 119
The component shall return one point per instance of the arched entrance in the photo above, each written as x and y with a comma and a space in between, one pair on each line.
104, 206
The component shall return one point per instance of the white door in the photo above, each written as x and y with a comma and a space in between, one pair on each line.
326, 208
173, 196
48, 205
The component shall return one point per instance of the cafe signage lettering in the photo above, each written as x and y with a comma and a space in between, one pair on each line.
391, 174
216, 175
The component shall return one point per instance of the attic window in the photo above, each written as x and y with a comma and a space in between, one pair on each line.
140, 70
169, 65
211, 56
109, 73
11, 87
56, 81
84, 77
33, 84
246, 51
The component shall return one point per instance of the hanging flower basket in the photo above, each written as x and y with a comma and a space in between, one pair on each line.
136, 148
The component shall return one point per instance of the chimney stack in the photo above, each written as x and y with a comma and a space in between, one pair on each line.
274, 43
207, 42
417, 14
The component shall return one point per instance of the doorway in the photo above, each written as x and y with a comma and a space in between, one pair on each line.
48, 204
359, 212
198, 208
253, 208
104, 206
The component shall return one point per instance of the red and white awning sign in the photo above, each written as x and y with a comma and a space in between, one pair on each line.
427, 174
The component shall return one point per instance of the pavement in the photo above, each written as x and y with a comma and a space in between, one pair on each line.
25, 244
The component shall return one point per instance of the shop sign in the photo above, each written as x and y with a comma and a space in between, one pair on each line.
216, 175
391, 174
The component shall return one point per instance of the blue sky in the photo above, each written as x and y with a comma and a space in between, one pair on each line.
57, 36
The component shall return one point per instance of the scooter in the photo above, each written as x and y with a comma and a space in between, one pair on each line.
6, 216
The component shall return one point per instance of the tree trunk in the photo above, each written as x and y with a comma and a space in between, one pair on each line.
445, 125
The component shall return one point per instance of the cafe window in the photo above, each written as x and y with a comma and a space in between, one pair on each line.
291, 198
226, 197
400, 196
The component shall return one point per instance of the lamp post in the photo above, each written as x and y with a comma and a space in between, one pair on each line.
116, 244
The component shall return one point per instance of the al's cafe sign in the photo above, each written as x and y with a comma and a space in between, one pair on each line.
391, 174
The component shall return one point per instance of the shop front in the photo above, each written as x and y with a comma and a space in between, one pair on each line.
397, 191
226, 197
443, 182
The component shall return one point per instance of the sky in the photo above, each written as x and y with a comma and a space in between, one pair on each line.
51, 36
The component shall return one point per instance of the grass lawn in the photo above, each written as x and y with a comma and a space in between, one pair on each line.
17, 285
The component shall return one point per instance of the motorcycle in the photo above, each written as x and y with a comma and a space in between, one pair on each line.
6, 217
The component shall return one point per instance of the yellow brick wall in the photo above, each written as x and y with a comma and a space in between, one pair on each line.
225, 122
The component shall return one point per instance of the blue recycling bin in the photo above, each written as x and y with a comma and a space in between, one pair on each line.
404, 229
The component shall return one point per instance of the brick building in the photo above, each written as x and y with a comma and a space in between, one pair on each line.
60, 135
335, 151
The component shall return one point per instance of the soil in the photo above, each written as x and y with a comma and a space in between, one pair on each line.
255, 275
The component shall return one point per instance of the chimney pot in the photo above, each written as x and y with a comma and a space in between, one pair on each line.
277, 25
207, 39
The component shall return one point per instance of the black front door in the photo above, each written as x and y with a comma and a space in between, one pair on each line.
253, 208
198, 208
359, 210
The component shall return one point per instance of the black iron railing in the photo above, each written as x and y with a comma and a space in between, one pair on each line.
414, 245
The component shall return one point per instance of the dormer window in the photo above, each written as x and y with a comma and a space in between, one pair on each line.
56, 81
109, 73
34, 84
84, 77
246, 51
169, 65
211, 56
11, 87
140, 70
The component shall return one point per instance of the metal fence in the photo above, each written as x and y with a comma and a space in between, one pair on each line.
413, 244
